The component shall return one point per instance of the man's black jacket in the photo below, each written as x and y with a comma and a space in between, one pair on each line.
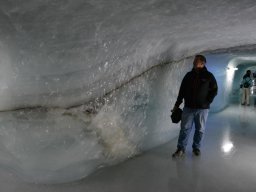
198, 89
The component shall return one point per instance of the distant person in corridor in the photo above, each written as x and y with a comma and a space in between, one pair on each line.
254, 94
198, 89
246, 84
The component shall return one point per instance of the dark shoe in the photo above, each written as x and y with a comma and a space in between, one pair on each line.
248, 104
242, 103
197, 152
178, 153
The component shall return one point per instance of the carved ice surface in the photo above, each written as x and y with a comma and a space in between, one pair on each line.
56, 53
52, 145
47, 146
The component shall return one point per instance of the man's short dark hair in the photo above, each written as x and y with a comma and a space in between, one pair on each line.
201, 58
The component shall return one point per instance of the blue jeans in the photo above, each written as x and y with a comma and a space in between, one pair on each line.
190, 117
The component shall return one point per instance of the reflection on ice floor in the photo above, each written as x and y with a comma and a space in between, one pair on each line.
155, 171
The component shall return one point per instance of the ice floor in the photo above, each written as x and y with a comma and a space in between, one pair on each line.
155, 170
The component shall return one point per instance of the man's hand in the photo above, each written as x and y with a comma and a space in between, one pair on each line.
174, 109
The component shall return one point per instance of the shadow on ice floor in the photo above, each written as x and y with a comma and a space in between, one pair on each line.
156, 171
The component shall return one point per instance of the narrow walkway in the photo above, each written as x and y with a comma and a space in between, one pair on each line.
156, 171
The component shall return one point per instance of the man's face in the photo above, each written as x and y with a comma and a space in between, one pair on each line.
198, 64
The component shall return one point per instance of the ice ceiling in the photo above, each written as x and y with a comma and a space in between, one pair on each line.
64, 53
57, 54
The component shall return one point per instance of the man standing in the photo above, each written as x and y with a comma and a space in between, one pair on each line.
198, 89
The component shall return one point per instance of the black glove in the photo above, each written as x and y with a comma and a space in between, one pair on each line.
174, 109
176, 115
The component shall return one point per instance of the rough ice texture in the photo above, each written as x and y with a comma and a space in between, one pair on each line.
59, 54
64, 53
51, 145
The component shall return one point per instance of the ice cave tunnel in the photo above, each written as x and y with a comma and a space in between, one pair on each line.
86, 89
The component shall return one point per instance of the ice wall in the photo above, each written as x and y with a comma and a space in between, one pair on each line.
52, 145
218, 64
